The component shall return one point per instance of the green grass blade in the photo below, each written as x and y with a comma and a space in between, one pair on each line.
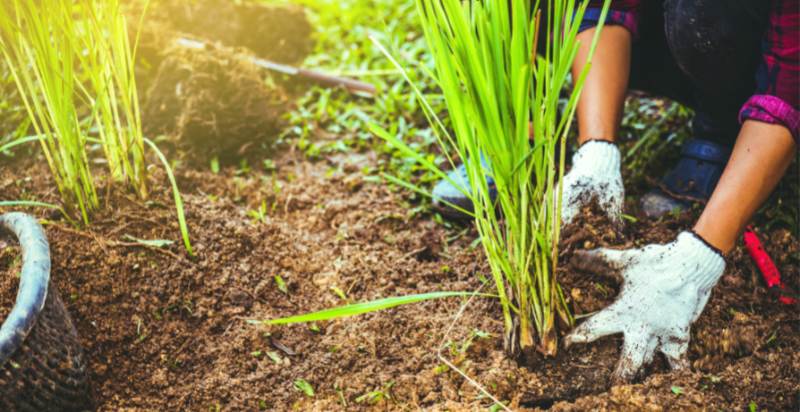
176, 194
28, 203
18, 142
33, 203
365, 307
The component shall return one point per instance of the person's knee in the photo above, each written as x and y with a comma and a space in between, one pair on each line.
709, 38
695, 28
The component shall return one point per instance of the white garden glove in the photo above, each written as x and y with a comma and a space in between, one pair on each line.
596, 174
664, 290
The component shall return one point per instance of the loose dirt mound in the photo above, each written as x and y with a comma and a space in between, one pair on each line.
163, 332
213, 104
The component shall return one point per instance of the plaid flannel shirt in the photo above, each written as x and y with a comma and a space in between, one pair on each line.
775, 99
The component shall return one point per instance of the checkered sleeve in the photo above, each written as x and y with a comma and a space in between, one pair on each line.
623, 13
778, 76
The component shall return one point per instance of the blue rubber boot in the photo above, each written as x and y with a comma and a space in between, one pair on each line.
692, 180
446, 193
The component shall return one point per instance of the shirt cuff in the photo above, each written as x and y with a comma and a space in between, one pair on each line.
771, 109
626, 19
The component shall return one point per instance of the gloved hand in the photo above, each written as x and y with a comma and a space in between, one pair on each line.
596, 174
664, 290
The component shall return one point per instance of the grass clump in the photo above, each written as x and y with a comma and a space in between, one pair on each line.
107, 61
73, 65
42, 53
343, 46
503, 96
499, 90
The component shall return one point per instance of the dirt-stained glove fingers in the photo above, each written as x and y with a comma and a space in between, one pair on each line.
606, 322
605, 262
570, 207
637, 350
675, 349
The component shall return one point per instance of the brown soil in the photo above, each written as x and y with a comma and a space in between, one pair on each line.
9, 274
165, 332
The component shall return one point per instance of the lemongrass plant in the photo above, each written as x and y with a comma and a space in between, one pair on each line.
107, 59
66, 57
43, 61
500, 90
503, 101
73, 65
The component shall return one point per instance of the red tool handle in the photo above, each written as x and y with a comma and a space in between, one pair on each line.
765, 264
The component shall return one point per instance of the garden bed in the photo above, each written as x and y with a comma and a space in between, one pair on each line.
165, 332
309, 230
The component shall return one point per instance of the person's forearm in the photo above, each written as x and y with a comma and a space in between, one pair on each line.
760, 158
603, 96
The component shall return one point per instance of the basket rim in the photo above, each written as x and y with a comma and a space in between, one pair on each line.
33, 283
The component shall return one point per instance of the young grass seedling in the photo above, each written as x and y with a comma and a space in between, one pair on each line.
41, 50
499, 92
73, 66
500, 89
281, 284
305, 387
259, 215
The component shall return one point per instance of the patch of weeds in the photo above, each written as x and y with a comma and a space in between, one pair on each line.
331, 121
376, 396
244, 168
651, 134
260, 214
458, 351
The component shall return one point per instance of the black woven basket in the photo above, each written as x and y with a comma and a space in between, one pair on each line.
43, 367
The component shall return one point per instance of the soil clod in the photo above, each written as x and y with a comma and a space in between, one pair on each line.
213, 104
